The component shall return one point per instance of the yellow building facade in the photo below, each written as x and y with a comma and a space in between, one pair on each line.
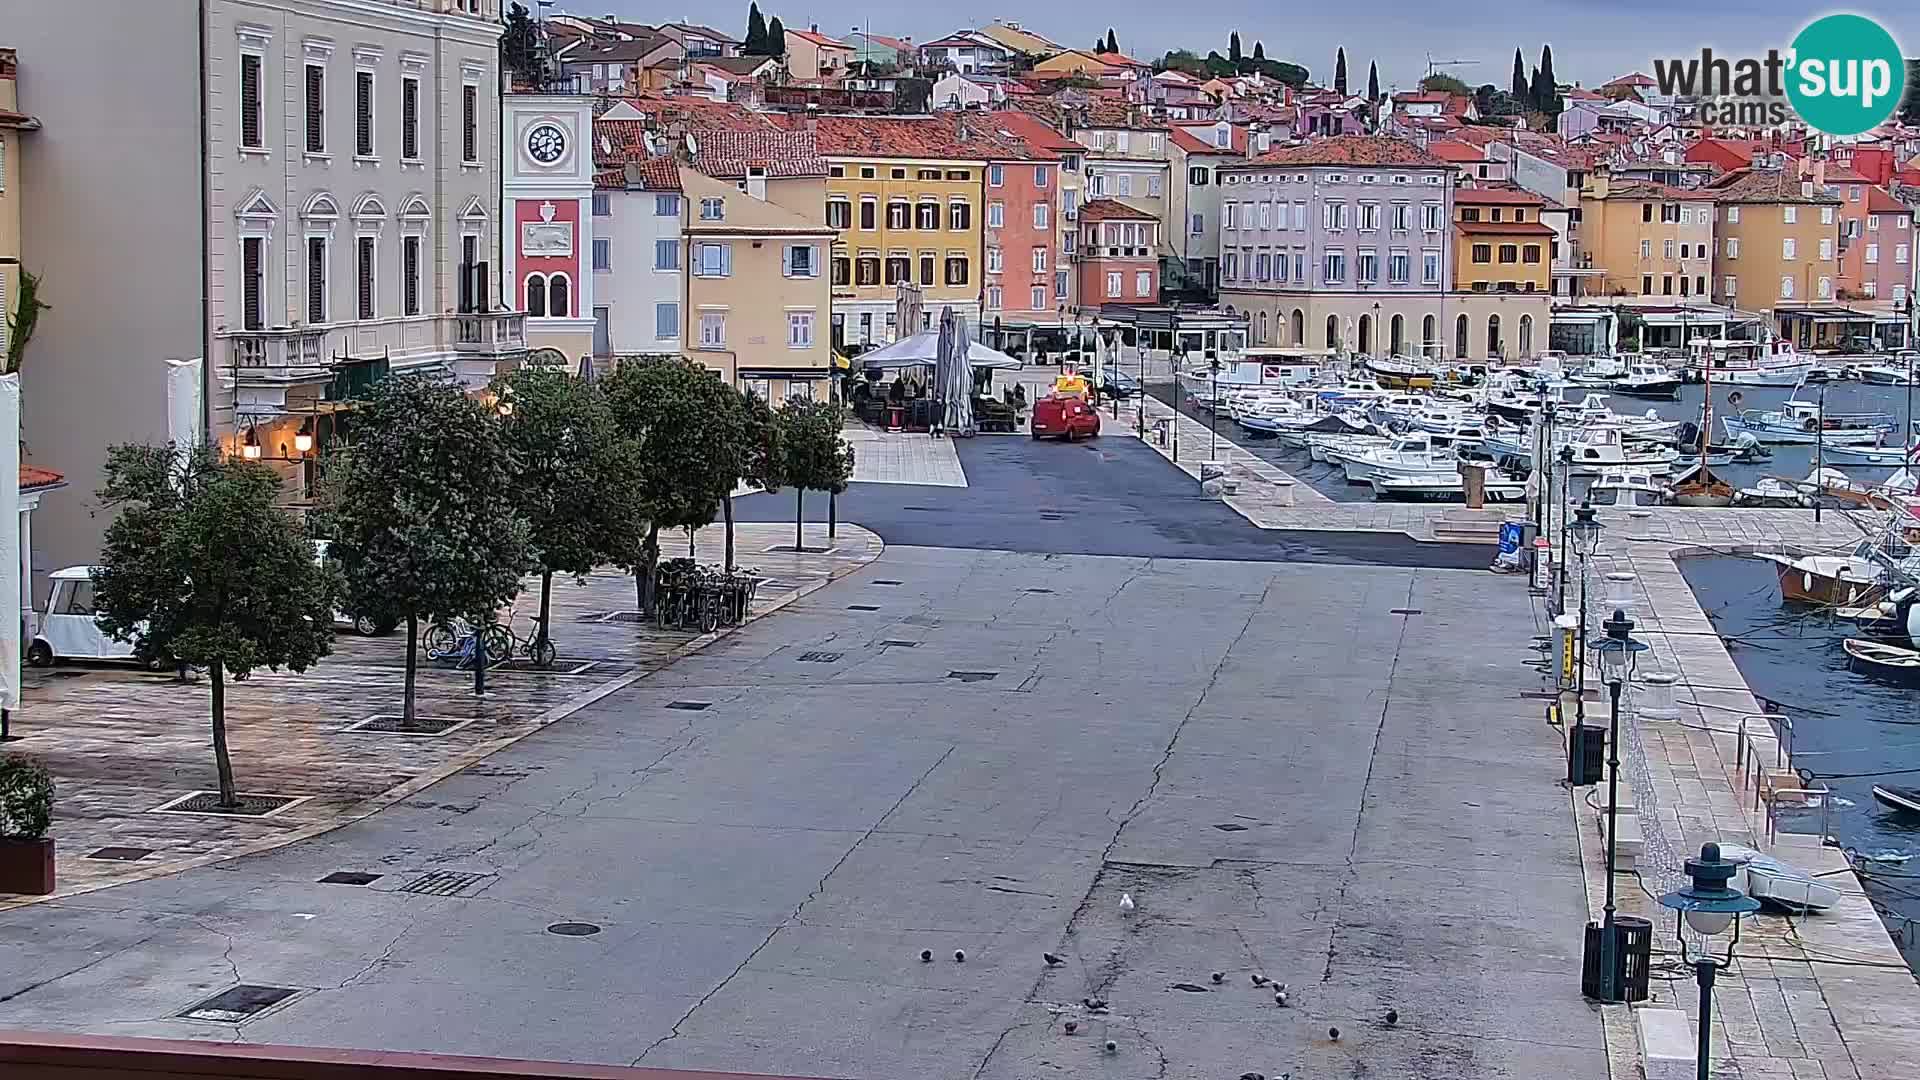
12, 125
1777, 240
1652, 242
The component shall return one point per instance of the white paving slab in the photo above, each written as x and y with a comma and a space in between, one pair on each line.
894, 457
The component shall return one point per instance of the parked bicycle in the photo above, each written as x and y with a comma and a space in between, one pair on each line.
688, 596
451, 639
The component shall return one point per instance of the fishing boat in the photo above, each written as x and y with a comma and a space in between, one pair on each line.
1330, 424
1771, 492
1897, 796
1852, 580
1401, 372
1749, 363
1837, 487
1601, 371
1884, 457
1804, 422
1443, 487
1626, 487
1776, 884
1888, 662
1884, 374
1595, 448
1648, 379
1697, 486
1410, 455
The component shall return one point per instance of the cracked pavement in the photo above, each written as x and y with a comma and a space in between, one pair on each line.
1289, 780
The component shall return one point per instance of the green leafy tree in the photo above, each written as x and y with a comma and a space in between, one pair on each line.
776, 38
815, 454
666, 403
756, 43
425, 510
1910, 108
1520, 89
1340, 71
1113, 43
200, 565
750, 453
25, 317
576, 478
521, 50
1233, 47
26, 798
1180, 60
1442, 83
1259, 51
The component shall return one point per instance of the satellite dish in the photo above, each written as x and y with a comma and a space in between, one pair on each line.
693, 146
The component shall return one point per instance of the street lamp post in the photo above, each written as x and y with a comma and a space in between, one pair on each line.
1819, 453
1708, 904
1585, 535
1213, 414
1617, 657
1566, 518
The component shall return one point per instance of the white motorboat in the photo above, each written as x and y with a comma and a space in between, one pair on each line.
1401, 372
1884, 374
1328, 424
1595, 448
1648, 379
1749, 363
1258, 367
1408, 455
1599, 371
1885, 457
1626, 487
1802, 422
1444, 486
1771, 491
1778, 884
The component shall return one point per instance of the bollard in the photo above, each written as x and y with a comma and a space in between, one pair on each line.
1283, 492
479, 663
1656, 703
1620, 591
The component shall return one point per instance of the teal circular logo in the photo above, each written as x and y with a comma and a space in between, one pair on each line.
1845, 75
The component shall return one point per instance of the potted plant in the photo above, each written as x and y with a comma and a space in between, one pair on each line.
26, 811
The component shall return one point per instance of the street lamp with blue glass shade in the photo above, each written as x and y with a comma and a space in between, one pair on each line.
1708, 904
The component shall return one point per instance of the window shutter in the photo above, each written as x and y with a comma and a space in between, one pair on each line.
316, 280
363, 113
410, 257
316, 108
410, 118
249, 100
365, 275
250, 271
469, 123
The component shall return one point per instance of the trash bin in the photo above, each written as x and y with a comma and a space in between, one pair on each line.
1473, 478
1633, 957
1163, 430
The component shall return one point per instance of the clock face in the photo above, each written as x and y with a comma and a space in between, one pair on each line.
545, 143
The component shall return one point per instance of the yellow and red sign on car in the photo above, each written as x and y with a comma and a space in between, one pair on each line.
1071, 383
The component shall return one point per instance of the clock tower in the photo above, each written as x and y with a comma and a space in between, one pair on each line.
547, 175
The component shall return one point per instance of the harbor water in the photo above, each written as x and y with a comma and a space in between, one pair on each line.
1850, 730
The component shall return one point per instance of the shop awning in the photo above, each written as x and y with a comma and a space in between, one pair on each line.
922, 349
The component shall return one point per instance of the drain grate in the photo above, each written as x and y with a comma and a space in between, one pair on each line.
121, 854
208, 802
1053, 517
863, 607
1039, 590
972, 676
690, 706
350, 877
238, 1004
896, 643
418, 727
888, 581
1231, 827
819, 657
573, 929
1404, 611
447, 883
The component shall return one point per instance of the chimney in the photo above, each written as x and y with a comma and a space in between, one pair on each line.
813, 117
610, 20
813, 28
757, 182
1256, 133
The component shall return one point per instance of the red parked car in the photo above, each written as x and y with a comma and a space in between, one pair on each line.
1065, 415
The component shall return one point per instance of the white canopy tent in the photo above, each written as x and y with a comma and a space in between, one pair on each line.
923, 350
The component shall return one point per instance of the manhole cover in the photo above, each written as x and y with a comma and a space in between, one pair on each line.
972, 676
121, 854
627, 616
889, 581
385, 724
349, 877
1405, 611
863, 607
238, 1004
1053, 517
573, 929
208, 802
1191, 988
446, 883
690, 706
894, 643
1231, 827
819, 657
1039, 590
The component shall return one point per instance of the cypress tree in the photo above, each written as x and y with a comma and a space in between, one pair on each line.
1340, 72
1519, 89
1233, 47
756, 32
1549, 102
1259, 52
1113, 43
1373, 94
776, 38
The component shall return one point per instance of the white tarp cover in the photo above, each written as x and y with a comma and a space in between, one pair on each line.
953, 375
923, 349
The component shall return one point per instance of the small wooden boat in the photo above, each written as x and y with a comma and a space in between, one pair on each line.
1898, 797
1853, 580
1887, 661
1698, 486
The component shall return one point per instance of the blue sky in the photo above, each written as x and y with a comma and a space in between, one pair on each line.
1592, 41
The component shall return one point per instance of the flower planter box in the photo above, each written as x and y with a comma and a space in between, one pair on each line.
26, 866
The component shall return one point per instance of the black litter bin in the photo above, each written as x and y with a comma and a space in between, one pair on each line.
1633, 960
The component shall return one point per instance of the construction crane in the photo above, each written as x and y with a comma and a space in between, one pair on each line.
1435, 65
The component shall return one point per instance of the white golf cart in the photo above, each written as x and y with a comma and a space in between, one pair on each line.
67, 630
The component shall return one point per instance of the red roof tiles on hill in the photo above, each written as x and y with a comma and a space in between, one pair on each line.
1460, 153
1496, 196
1111, 210
1767, 186
727, 155
1352, 150
1879, 202
946, 135
33, 476
1506, 228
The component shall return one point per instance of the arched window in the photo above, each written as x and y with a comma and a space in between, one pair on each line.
1333, 331
1493, 337
1427, 328
1526, 335
557, 296
1460, 337
536, 294
1263, 328
1366, 335
1397, 335
1299, 327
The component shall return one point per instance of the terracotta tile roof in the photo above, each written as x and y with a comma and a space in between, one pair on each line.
674, 115
11, 119
599, 52
818, 39
1505, 228
727, 155
1354, 150
1632, 78
705, 32
1879, 202
896, 44
949, 135
1102, 111
1647, 189
1767, 186
641, 174
1423, 97
1194, 143
1842, 174
33, 476
1110, 210
1042, 141
736, 65
1455, 151
1115, 59
1496, 196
